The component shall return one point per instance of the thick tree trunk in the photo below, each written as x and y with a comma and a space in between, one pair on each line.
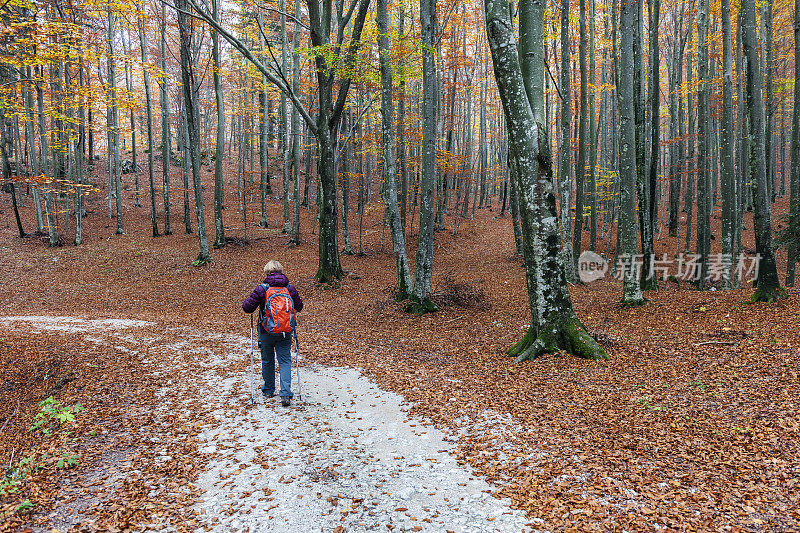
768, 284
766, 58
554, 324
642, 179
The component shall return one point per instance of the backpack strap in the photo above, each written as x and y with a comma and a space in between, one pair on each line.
261, 308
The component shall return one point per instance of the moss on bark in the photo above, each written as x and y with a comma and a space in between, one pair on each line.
767, 294
561, 333
420, 307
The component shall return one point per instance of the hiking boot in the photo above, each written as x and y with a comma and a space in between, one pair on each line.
286, 401
267, 396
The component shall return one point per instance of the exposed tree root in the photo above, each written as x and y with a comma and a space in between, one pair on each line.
769, 296
421, 307
634, 303
565, 333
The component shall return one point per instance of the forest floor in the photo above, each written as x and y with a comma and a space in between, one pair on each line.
691, 424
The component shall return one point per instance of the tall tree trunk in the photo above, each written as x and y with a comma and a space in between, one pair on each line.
642, 179
565, 183
592, 135
126, 47
185, 166
401, 127
192, 120
114, 133
7, 147
166, 150
730, 193
676, 123
703, 128
347, 123
44, 165
423, 269
286, 143
219, 149
296, 133
649, 281
631, 289
794, 184
768, 284
79, 152
149, 104
766, 34
482, 147
554, 324
389, 168
583, 140
691, 161
31, 142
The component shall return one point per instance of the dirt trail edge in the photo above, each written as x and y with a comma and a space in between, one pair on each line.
345, 458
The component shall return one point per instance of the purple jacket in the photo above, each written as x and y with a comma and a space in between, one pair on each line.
275, 279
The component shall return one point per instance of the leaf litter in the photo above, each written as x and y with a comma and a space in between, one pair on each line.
671, 433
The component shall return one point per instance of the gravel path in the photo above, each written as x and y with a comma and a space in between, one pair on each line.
345, 458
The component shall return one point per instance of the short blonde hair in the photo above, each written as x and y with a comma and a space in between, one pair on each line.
272, 266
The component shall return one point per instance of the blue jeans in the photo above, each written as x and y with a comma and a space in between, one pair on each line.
272, 345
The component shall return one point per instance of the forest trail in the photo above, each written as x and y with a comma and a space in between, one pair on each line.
346, 455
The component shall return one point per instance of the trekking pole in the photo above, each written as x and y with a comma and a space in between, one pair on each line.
252, 362
297, 365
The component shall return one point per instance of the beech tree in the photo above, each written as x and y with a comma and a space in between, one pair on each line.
192, 127
389, 167
329, 113
768, 288
554, 324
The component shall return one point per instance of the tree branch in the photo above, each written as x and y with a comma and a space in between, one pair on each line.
355, 38
238, 45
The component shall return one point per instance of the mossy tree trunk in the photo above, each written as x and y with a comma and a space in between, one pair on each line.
554, 324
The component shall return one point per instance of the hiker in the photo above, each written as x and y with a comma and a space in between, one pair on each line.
275, 332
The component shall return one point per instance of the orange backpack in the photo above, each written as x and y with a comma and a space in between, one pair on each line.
278, 314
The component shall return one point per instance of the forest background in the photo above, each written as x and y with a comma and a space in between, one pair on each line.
130, 128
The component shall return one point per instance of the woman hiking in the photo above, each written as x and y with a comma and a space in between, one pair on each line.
276, 323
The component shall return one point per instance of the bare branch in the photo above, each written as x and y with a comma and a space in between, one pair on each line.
248, 54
